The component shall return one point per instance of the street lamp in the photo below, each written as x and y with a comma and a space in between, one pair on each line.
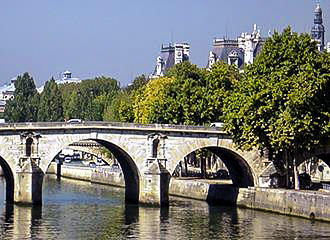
91, 101
78, 103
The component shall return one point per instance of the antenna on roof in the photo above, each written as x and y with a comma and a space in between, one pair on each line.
171, 36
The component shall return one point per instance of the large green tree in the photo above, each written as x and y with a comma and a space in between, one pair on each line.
24, 106
194, 96
90, 98
181, 102
282, 104
51, 104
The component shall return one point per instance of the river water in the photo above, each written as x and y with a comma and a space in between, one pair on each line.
81, 210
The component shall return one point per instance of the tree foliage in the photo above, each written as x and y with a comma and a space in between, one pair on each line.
89, 99
24, 106
120, 109
282, 103
51, 104
148, 97
194, 96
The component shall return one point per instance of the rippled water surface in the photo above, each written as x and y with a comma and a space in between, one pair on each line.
80, 210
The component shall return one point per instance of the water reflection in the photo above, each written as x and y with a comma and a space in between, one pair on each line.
80, 210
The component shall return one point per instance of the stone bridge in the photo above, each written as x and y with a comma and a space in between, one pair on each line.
148, 155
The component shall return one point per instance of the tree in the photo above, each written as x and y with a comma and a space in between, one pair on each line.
282, 103
120, 108
24, 106
73, 106
51, 104
182, 101
220, 81
90, 98
147, 98
137, 83
195, 96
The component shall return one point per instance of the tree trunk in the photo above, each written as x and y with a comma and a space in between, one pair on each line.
296, 177
287, 180
186, 167
209, 160
203, 166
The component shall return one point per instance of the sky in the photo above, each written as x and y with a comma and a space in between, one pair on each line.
122, 38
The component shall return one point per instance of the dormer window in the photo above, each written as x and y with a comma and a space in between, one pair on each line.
233, 58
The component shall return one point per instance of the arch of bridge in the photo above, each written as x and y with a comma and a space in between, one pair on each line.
322, 152
250, 162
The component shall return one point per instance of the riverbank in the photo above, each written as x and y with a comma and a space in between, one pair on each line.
308, 204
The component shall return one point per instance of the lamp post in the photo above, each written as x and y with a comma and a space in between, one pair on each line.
90, 102
78, 114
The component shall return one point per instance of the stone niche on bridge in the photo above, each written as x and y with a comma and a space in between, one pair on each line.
29, 158
156, 149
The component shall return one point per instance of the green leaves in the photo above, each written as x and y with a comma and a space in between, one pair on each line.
51, 103
283, 101
24, 106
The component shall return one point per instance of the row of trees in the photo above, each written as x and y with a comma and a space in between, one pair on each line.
87, 100
186, 95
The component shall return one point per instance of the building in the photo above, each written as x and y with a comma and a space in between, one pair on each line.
318, 29
239, 52
66, 77
169, 56
6, 93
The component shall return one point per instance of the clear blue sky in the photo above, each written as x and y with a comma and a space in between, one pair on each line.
122, 38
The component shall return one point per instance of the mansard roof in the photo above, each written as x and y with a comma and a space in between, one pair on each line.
222, 54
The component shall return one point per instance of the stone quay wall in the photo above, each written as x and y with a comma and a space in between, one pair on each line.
307, 204
101, 175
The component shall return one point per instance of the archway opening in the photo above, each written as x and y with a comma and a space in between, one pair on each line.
129, 169
216, 163
108, 164
7, 175
314, 173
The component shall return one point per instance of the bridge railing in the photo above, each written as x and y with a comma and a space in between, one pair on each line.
4, 126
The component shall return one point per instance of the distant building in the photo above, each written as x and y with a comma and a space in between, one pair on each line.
6, 93
239, 52
318, 29
66, 77
169, 56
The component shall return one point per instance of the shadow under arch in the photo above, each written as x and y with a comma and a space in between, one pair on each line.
8, 174
129, 168
239, 170
325, 158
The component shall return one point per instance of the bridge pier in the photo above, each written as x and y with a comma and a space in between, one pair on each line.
155, 185
28, 184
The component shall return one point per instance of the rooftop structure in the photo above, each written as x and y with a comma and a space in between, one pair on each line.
6, 93
318, 29
66, 77
169, 56
239, 52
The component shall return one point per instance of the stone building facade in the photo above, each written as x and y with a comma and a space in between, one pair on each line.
170, 55
239, 52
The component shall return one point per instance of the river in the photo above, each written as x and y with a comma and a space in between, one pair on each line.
81, 210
